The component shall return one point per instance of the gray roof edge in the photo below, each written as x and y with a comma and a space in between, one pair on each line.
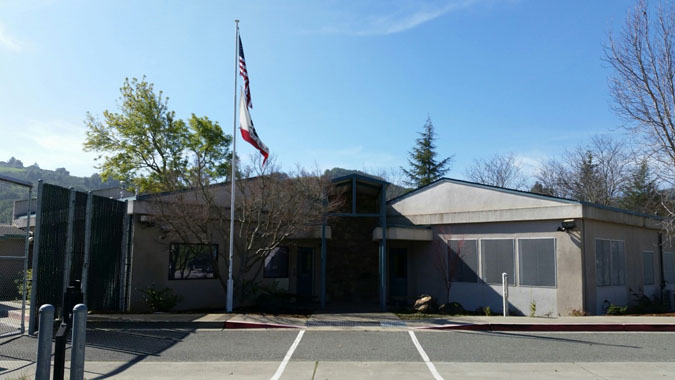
482, 186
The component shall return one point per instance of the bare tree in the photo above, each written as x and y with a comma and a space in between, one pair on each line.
643, 83
596, 172
499, 170
271, 208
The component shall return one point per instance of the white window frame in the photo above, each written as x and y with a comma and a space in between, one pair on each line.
515, 260
595, 257
555, 261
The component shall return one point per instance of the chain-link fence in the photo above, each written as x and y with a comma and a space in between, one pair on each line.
14, 255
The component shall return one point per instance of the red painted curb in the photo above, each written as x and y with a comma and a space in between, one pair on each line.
624, 327
256, 325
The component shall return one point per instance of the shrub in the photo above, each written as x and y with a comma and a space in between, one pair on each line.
160, 300
613, 309
19, 284
579, 313
533, 308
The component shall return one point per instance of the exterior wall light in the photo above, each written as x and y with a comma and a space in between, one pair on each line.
567, 225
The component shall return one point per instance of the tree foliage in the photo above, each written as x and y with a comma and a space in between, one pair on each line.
641, 193
424, 166
144, 144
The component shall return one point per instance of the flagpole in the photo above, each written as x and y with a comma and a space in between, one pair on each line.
230, 281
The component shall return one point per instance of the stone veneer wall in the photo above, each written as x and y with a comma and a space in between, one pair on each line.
352, 265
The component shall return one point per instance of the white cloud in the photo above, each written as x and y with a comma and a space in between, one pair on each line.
397, 17
7, 42
52, 144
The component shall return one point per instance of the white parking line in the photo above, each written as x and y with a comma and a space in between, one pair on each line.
282, 366
425, 357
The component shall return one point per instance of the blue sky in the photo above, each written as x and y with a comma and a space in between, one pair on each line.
333, 83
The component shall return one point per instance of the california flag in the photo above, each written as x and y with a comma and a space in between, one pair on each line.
248, 130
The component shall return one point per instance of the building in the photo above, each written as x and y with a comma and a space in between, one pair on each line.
560, 255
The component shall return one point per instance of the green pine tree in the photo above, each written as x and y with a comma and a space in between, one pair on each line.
424, 168
641, 193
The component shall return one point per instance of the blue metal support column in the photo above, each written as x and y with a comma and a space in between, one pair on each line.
323, 263
383, 248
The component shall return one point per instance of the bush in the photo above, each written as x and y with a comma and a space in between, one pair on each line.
160, 300
19, 284
641, 304
579, 313
613, 309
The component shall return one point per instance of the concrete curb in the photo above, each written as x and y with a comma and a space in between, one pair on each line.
188, 325
578, 327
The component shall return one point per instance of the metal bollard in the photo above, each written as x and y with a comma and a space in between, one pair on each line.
79, 342
45, 332
505, 293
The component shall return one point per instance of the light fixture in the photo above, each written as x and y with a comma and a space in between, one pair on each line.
567, 225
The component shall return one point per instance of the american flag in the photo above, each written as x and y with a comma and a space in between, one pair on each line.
244, 74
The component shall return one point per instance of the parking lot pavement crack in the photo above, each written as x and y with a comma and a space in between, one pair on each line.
316, 365
589, 371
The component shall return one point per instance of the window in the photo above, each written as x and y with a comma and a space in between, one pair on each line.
669, 267
463, 255
610, 263
536, 262
648, 268
276, 263
192, 261
497, 256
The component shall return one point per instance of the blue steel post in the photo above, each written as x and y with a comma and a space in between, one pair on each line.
383, 248
323, 263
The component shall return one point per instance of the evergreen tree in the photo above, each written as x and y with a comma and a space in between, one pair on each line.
424, 169
641, 193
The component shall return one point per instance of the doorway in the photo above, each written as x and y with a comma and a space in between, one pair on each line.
398, 275
305, 270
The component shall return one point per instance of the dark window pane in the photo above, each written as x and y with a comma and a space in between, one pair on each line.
669, 267
463, 260
618, 263
602, 263
192, 261
648, 268
276, 263
537, 262
497, 256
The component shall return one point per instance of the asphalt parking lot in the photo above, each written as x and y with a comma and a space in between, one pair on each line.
316, 353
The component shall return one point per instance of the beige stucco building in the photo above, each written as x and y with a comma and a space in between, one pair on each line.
560, 255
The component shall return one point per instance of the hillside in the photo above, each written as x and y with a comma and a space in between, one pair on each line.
15, 168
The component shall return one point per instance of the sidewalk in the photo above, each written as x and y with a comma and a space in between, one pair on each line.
383, 321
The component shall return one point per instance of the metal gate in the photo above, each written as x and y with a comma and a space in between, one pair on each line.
78, 237
14, 254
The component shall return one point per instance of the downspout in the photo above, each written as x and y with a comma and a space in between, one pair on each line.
584, 292
662, 285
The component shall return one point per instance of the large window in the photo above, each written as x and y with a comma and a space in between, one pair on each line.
648, 268
497, 257
276, 263
192, 261
536, 262
610, 263
463, 260
669, 267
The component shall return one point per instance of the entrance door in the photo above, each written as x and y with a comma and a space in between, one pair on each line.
398, 274
305, 266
